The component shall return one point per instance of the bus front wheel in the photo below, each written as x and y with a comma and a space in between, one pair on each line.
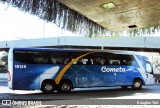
48, 87
137, 84
65, 86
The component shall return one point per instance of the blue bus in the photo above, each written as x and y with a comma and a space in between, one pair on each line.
62, 70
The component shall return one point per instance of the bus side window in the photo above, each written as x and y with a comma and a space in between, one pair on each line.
79, 61
90, 62
54, 61
129, 63
40, 60
59, 60
107, 62
82, 61
97, 61
66, 60
114, 62
124, 62
103, 61
85, 61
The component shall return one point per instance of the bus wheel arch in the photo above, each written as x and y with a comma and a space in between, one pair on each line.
65, 85
48, 86
137, 84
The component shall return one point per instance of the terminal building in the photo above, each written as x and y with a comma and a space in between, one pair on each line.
147, 44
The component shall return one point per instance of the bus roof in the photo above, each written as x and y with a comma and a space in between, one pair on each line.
79, 50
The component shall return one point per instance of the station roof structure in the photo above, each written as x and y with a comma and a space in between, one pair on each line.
118, 15
92, 17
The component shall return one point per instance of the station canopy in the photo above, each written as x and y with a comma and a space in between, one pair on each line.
96, 17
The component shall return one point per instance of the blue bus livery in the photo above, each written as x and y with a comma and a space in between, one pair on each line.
66, 69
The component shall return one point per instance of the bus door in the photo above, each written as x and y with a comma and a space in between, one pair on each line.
146, 70
148, 77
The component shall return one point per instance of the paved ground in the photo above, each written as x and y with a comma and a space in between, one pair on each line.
94, 96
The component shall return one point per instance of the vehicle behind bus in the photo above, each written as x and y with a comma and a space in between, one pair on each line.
63, 69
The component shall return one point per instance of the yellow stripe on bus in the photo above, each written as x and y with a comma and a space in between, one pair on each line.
62, 72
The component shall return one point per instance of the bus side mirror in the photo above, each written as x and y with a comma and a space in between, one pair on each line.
149, 67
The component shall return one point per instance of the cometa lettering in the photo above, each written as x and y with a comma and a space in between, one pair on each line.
120, 69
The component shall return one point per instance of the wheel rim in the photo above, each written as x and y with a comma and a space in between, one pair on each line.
65, 87
48, 87
137, 84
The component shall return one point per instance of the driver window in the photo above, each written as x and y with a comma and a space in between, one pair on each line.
148, 67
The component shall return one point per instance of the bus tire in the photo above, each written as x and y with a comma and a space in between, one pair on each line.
48, 87
65, 86
137, 84
124, 87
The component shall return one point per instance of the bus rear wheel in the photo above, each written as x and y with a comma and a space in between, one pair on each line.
48, 87
137, 85
65, 86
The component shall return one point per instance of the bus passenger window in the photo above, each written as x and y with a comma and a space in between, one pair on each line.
66, 61
90, 62
56, 60
114, 62
60, 60
124, 62
129, 62
53, 60
40, 60
79, 61
103, 61
83, 61
97, 61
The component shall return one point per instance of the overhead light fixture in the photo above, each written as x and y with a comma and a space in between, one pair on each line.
132, 26
109, 5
